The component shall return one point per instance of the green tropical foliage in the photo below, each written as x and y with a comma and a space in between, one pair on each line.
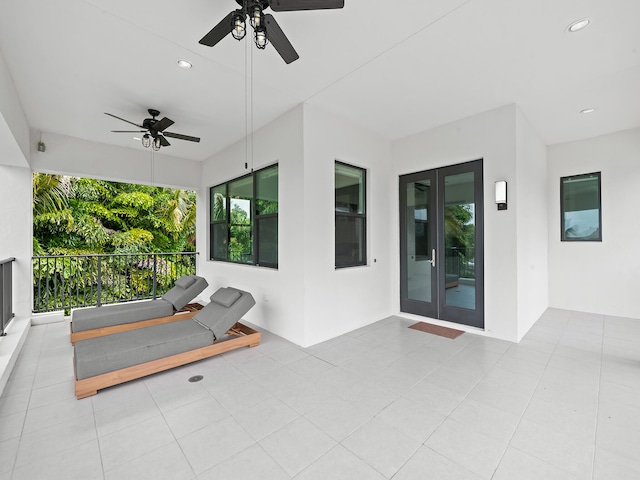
76, 217
459, 240
50, 193
459, 229
83, 215
240, 244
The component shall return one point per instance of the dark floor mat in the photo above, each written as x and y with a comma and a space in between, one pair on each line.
437, 330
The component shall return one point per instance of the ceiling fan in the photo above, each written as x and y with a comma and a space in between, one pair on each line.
265, 27
154, 130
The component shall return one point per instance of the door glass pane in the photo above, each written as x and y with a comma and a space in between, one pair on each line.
460, 240
418, 235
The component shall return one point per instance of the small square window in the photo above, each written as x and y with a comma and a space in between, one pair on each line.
580, 208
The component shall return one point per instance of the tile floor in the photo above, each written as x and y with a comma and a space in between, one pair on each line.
381, 402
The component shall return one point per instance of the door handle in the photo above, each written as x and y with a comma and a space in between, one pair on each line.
433, 258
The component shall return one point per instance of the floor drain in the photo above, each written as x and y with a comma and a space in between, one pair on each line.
196, 378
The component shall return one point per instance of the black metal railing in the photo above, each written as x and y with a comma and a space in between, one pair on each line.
71, 281
460, 262
6, 294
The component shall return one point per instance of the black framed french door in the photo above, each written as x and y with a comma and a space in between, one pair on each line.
441, 243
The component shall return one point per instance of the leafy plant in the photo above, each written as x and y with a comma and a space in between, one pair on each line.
74, 217
102, 217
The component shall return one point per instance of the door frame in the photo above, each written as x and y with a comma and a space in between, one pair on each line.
438, 307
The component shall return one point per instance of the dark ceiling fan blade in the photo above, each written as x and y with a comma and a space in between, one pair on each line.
163, 141
179, 136
293, 5
218, 32
112, 115
279, 40
127, 131
162, 124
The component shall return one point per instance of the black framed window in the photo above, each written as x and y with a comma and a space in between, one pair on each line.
581, 208
351, 215
244, 219
267, 216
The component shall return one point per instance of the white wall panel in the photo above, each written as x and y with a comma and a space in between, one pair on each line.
492, 137
598, 277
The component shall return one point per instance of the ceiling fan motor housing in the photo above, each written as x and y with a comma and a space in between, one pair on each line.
263, 3
148, 123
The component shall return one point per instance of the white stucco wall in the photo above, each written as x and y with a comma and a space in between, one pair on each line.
492, 137
14, 128
532, 225
307, 300
279, 294
82, 158
15, 215
341, 300
15, 235
15, 241
598, 277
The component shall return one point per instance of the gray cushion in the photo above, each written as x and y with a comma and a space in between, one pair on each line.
105, 354
179, 296
186, 281
109, 315
225, 296
219, 319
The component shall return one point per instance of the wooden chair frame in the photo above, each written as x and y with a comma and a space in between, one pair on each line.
239, 336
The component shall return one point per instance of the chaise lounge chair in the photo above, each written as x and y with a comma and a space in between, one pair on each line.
98, 321
113, 359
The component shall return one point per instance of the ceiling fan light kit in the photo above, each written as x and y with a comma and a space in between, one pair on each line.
266, 29
256, 16
261, 37
239, 26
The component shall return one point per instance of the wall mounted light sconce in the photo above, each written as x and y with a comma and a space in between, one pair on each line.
501, 194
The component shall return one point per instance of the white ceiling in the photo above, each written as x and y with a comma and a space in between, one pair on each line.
395, 67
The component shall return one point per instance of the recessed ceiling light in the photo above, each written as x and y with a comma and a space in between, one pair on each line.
184, 64
587, 110
578, 25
